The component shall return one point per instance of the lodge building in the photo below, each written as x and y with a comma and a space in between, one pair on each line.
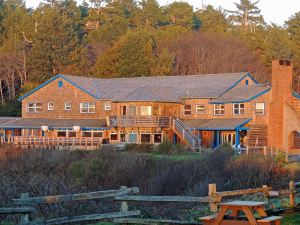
198, 110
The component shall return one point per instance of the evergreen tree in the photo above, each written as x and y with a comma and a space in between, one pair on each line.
293, 28
181, 14
57, 41
247, 15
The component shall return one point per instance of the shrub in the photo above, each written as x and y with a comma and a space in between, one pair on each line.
167, 148
141, 148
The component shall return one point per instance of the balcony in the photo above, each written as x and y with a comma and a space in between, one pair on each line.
140, 121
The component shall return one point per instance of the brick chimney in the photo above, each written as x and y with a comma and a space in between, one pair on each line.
282, 78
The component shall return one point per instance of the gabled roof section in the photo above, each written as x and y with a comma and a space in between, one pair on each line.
158, 88
53, 79
242, 94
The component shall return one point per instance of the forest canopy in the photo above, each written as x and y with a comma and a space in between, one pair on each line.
128, 38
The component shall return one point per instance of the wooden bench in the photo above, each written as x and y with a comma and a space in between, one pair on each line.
272, 220
208, 220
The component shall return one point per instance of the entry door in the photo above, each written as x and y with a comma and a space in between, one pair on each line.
132, 137
123, 110
228, 137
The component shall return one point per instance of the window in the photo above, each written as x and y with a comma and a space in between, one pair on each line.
219, 109
62, 133
200, 108
60, 83
87, 107
86, 134
107, 106
145, 136
157, 137
260, 108
187, 110
122, 137
113, 136
97, 133
71, 134
246, 82
35, 107
50, 106
132, 110
238, 108
146, 110
68, 106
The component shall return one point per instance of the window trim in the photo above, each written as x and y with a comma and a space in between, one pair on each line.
264, 108
200, 112
239, 108
89, 106
34, 107
187, 110
107, 106
50, 108
220, 109
67, 108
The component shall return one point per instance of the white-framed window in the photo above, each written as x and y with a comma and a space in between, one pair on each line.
219, 109
87, 107
187, 110
145, 136
238, 108
146, 110
200, 109
157, 138
113, 136
50, 106
68, 106
107, 106
35, 107
259, 108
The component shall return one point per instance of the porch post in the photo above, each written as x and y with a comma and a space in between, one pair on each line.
218, 138
237, 138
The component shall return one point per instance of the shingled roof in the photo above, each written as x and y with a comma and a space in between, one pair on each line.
242, 94
34, 123
158, 88
217, 124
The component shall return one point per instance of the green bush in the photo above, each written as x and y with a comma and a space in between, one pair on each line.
167, 148
141, 148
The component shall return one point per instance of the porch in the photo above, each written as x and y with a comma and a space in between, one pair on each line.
214, 132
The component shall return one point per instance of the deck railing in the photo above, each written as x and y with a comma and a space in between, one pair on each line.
140, 121
71, 141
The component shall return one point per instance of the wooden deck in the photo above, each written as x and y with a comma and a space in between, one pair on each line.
140, 121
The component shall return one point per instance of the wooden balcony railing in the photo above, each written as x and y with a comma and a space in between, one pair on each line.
140, 121
55, 141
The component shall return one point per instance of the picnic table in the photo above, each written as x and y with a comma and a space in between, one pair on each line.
241, 213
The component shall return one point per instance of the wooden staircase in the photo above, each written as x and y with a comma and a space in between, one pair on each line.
258, 135
184, 132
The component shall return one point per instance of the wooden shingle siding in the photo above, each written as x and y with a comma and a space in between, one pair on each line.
59, 95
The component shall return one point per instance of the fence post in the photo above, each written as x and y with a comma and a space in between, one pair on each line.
212, 190
24, 217
247, 150
265, 151
292, 195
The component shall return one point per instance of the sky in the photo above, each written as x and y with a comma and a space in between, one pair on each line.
276, 11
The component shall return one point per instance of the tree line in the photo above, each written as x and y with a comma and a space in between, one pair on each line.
127, 38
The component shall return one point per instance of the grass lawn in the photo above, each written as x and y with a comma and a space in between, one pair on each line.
291, 219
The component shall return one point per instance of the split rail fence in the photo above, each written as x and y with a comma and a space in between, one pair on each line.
28, 205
